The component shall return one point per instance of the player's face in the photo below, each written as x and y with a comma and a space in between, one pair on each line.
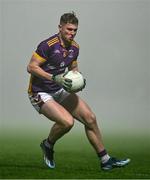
68, 31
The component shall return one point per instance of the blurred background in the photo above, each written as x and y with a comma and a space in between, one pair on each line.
114, 39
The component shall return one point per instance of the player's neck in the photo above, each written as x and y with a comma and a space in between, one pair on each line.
64, 43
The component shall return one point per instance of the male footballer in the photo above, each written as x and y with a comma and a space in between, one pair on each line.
49, 92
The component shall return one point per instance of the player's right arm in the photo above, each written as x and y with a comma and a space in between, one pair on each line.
35, 69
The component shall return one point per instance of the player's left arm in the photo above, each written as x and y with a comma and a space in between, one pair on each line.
73, 66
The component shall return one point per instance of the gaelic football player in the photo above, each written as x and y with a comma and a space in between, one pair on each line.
47, 93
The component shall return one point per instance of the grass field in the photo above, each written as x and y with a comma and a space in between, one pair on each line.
21, 157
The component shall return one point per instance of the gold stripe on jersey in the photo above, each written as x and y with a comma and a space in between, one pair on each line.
30, 85
38, 57
75, 44
74, 63
53, 41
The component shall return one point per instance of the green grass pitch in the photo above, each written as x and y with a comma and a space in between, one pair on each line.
21, 157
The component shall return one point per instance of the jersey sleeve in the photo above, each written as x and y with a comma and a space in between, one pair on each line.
42, 51
76, 49
76, 55
74, 62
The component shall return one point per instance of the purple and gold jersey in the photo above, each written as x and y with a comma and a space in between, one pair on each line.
55, 60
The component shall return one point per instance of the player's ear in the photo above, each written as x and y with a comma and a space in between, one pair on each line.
59, 26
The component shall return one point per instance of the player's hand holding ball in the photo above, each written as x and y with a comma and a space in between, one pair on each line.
77, 79
60, 79
72, 81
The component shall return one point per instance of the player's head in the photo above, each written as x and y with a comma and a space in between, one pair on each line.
68, 26
69, 18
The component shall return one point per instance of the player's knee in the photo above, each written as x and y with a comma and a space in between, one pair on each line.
90, 119
68, 124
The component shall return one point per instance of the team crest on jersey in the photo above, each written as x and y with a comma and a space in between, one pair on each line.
71, 53
62, 64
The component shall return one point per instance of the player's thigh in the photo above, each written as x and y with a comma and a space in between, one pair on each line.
79, 109
57, 113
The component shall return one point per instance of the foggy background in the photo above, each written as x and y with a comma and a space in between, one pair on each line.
114, 39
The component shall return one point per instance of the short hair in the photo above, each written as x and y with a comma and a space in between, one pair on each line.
69, 18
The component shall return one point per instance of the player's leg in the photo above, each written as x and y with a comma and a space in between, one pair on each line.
63, 123
45, 104
62, 118
81, 111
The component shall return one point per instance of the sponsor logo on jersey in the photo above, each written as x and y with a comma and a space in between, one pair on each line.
62, 64
51, 67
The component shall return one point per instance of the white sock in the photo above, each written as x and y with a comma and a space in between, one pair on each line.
105, 158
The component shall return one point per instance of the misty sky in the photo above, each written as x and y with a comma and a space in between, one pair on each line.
114, 38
